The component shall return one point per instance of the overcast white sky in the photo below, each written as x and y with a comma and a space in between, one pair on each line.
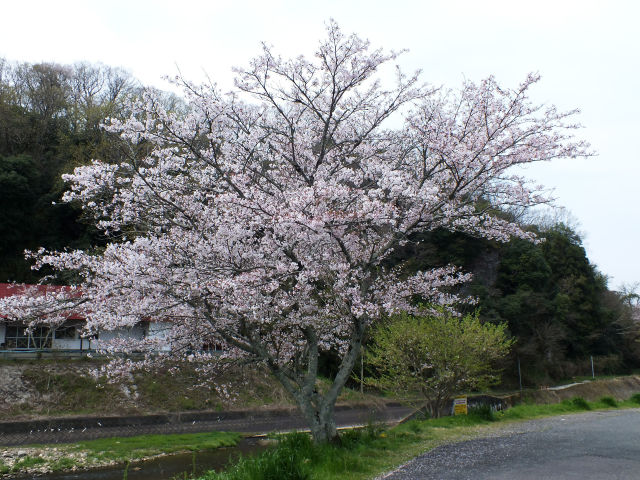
588, 53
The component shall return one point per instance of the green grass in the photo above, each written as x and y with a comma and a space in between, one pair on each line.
72, 393
121, 449
365, 453
286, 462
64, 464
27, 462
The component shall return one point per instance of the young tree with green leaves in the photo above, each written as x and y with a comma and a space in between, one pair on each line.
437, 355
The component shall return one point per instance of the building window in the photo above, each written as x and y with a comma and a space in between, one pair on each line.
67, 331
212, 347
18, 336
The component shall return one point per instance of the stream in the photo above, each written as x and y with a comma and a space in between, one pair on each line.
163, 468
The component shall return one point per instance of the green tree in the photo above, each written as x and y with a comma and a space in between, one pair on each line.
50, 118
436, 355
19, 191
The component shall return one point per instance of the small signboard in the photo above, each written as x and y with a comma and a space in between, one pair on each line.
460, 405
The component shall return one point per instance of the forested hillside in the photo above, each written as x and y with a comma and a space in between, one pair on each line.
554, 301
50, 119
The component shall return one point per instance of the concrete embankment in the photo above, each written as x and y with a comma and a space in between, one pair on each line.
620, 388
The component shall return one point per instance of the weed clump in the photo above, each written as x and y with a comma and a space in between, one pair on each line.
580, 403
609, 401
483, 412
635, 398
287, 461
27, 462
296, 457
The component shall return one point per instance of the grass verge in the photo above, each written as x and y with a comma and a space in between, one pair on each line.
367, 452
121, 449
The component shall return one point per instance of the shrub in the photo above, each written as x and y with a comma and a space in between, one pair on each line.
437, 355
609, 401
414, 426
580, 403
635, 398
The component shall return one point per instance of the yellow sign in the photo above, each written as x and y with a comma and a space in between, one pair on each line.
460, 406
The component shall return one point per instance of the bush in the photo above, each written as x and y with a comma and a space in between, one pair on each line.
296, 457
437, 354
580, 403
635, 398
609, 401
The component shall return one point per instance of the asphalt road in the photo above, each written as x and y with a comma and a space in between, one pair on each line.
586, 446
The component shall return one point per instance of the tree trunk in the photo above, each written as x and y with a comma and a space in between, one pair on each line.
321, 421
318, 409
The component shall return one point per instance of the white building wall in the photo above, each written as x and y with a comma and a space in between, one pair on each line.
66, 343
160, 331
154, 330
136, 332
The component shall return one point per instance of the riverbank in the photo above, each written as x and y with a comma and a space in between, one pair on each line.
83, 455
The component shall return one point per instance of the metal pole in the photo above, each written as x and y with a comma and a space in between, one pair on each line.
519, 374
593, 373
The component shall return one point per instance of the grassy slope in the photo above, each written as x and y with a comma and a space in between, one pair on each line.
60, 388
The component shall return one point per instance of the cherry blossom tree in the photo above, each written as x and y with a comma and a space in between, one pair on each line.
261, 218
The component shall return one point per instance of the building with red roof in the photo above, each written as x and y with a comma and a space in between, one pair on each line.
65, 339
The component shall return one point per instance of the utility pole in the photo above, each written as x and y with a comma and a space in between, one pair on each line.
519, 373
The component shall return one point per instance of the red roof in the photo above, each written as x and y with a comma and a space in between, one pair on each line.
11, 289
